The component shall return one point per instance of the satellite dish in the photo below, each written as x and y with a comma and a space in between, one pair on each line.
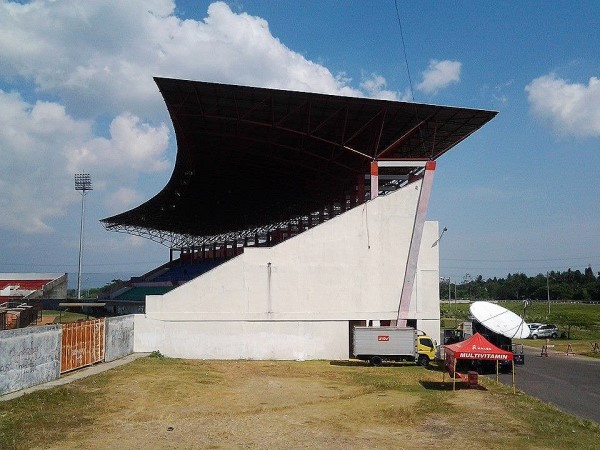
500, 320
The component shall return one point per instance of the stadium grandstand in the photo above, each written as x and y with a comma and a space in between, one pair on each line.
290, 217
20, 294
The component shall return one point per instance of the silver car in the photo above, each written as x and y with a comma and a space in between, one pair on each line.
545, 331
533, 326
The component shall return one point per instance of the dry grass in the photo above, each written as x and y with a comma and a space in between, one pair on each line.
577, 347
170, 403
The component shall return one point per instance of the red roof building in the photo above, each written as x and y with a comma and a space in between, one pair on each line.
29, 286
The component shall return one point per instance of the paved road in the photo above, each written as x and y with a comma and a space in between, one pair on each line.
571, 383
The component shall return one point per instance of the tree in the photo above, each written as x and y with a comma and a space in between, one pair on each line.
572, 319
589, 275
567, 285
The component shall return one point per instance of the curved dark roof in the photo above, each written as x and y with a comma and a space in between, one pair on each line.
248, 157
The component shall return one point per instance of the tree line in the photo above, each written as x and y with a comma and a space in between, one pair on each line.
567, 285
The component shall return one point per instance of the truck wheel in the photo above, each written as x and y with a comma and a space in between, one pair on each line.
534, 336
376, 361
423, 360
554, 335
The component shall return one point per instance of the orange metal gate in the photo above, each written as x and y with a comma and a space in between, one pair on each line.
82, 344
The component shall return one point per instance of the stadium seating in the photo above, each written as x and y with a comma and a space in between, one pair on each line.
180, 272
139, 293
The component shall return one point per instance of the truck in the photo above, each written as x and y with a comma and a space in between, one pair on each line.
379, 344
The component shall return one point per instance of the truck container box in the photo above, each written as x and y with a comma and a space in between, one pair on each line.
385, 341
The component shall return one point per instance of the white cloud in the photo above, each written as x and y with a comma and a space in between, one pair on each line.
100, 56
136, 241
439, 75
133, 146
41, 147
93, 63
571, 108
32, 185
375, 87
123, 198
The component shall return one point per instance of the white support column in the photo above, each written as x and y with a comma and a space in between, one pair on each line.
415, 244
374, 180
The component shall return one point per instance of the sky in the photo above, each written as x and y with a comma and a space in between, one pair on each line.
77, 95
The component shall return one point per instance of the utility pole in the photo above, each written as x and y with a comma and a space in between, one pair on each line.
467, 281
548, 290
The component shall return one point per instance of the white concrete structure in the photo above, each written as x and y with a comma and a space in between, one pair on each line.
297, 300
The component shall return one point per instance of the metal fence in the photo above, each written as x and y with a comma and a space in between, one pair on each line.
82, 344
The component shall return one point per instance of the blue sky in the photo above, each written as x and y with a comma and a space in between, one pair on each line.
76, 94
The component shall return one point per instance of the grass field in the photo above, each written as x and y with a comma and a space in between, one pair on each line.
172, 403
63, 316
582, 338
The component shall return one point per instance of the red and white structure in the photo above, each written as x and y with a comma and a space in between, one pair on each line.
16, 287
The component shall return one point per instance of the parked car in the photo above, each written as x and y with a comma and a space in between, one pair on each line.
545, 331
533, 326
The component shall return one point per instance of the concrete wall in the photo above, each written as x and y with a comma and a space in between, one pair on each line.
272, 340
29, 356
119, 337
57, 288
349, 268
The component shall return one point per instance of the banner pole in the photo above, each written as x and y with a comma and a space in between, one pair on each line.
513, 376
444, 369
454, 376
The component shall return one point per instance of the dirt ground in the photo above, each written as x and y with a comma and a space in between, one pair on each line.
154, 403
46, 319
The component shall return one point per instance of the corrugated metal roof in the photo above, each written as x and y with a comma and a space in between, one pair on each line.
248, 157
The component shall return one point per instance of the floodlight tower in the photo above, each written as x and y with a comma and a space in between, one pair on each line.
83, 183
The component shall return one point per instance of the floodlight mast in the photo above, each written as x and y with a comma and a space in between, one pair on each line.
83, 183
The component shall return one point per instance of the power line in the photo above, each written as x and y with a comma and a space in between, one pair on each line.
89, 265
412, 94
581, 258
516, 269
